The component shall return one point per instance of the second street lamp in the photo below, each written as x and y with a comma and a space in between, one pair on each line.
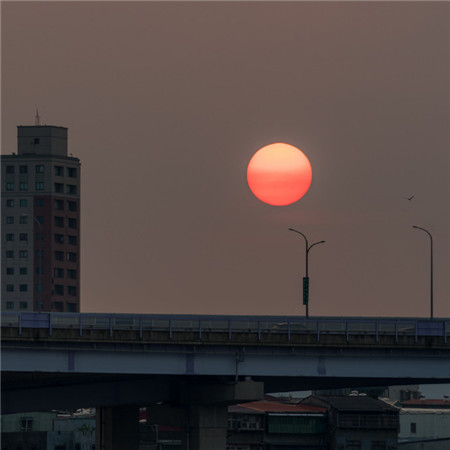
431, 268
306, 278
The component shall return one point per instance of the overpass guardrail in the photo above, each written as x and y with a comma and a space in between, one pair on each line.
256, 325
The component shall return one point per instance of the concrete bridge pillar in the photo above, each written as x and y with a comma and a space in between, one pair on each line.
117, 428
206, 428
202, 412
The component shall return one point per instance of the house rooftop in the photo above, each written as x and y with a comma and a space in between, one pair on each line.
350, 403
426, 403
261, 407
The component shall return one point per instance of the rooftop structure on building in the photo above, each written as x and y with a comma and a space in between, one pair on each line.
41, 222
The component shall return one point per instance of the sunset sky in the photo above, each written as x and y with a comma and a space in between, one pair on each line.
166, 102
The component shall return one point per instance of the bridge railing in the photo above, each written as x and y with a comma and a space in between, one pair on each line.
255, 325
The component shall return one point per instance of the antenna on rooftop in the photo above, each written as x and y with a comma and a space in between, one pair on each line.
37, 120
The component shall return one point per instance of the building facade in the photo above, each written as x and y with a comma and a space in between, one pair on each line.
359, 422
48, 431
41, 223
273, 425
425, 424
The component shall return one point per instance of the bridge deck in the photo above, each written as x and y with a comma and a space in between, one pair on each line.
90, 357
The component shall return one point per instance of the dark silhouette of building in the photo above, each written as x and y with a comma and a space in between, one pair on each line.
359, 422
41, 223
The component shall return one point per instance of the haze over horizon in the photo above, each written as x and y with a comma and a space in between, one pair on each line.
166, 102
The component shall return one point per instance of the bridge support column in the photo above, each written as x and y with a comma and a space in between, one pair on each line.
207, 428
117, 428
202, 412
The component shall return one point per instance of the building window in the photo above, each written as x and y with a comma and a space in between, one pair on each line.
36, 141
71, 307
39, 185
10, 271
379, 445
59, 306
72, 240
23, 305
9, 169
71, 189
59, 204
23, 203
39, 253
71, 273
40, 219
9, 305
59, 273
71, 290
9, 220
9, 186
10, 253
59, 187
413, 427
9, 203
59, 171
26, 424
353, 445
71, 206
71, 256
59, 239
39, 236
23, 253
9, 288
39, 287
71, 172
40, 168
59, 256
10, 236
23, 219
59, 289
39, 270
23, 287
39, 202
23, 237
23, 186
23, 169
59, 221
23, 271
71, 223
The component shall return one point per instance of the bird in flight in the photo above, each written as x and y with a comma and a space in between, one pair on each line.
409, 198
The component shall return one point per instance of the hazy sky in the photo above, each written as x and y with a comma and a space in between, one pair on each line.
166, 103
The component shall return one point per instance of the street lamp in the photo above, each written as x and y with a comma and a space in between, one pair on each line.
306, 278
40, 262
431, 269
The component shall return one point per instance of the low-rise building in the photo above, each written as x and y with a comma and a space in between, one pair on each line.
358, 422
48, 431
272, 425
424, 425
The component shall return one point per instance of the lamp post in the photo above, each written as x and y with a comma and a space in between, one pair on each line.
431, 269
40, 262
306, 278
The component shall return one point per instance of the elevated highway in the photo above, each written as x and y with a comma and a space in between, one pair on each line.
286, 353
52, 360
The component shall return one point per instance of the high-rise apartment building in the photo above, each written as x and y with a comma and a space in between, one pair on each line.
41, 223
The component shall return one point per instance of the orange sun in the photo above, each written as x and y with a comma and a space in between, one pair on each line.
279, 174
